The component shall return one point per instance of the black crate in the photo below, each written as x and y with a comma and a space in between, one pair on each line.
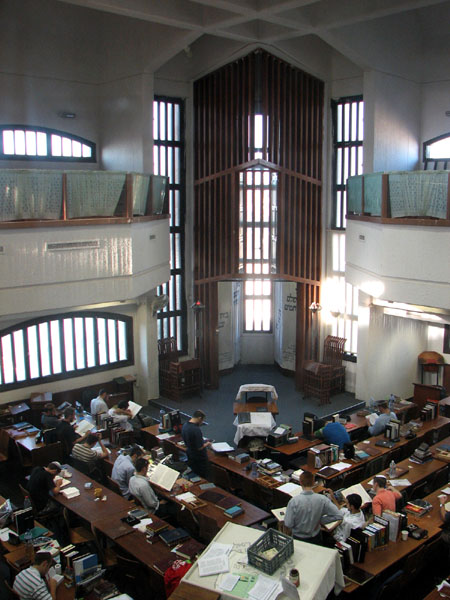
272, 539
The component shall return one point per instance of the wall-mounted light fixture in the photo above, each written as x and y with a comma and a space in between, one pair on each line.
65, 114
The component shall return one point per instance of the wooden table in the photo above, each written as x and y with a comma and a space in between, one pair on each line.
302, 445
187, 591
240, 407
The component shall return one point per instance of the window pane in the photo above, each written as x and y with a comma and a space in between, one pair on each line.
56, 346
7, 359
122, 341
87, 151
8, 142
68, 344
19, 141
112, 340
19, 355
56, 145
30, 137
33, 357
101, 334
76, 149
90, 341
44, 347
79, 343
41, 143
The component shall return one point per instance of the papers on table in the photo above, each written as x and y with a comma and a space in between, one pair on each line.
265, 589
290, 488
142, 525
261, 419
164, 436
372, 418
187, 497
445, 490
228, 582
134, 408
71, 492
399, 482
279, 430
289, 589
84, 426
340, 466
221, 447
296, 475
279, 513
215, 560
164, 476
358, 489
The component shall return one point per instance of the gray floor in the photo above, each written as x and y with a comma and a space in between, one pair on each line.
218, 404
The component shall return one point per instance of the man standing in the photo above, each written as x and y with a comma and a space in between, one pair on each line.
196, 445
140, 487
30, 583
41, 484
382, 420
306, 511
123, 469
84, 451
385, 496
98, 405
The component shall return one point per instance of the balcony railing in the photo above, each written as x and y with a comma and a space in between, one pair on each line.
38, 197
403, 197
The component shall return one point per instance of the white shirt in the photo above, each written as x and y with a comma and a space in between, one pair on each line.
122, 419
350, 521
98, 405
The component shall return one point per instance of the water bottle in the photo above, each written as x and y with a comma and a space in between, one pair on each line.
162, 412
28, 539
27, 502
371, 403
391, 401
392, 470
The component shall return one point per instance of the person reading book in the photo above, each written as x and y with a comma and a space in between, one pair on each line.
49, 417
30, 583
385, 496
195, 444
98, 405
306, 511
140, 487
84, 451
123, 468
42, 484
352, 516
121, 414
382, 420
66, 432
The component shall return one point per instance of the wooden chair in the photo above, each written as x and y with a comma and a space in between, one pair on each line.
4, 445
78, 534
113, 485
322, 379
207, 526
133, 578
11, 590
414, 562
221, 478
107, 556
41, 457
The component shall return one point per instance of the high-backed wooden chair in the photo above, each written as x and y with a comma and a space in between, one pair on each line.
322, 379
78, 534
167, 352
113, 485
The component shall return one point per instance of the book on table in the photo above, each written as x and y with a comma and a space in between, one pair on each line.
163, 564
190, 549
174, 536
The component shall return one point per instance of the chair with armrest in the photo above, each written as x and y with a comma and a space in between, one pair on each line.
322, 379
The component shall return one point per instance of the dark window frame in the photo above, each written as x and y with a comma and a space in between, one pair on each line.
66, 374
336, 188
48, 158
165, 316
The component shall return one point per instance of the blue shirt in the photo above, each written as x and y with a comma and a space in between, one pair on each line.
123, 470
335, 433
380, 424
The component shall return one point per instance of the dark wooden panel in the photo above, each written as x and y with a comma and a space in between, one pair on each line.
209, 351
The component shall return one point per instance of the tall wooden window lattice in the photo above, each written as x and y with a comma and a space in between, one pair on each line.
66, 345
348, 135
168, 160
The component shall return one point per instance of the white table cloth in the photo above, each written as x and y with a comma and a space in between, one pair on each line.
257, 387
260, 425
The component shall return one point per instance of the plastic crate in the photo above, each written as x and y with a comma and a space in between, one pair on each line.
271, 539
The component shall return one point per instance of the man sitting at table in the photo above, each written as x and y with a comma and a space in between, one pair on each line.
352, 516
140, 487
49, 418
123, 468
382, 420
98, 405
306, 511
42, 484
334, 433
30, 583
66, 432
84, 451
122, 414
385, 496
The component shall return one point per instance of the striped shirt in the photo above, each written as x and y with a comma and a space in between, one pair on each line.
83, 453
30, 585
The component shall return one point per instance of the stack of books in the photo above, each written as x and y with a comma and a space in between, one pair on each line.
269, 467
430, 411
421, 455
377, 533
240, 457
322, 455
418, 507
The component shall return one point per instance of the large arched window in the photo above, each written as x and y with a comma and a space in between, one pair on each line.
23, 142
65, 345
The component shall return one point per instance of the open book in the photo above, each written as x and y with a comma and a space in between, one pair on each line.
83, 427
358, 489
134, 407
164, 476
